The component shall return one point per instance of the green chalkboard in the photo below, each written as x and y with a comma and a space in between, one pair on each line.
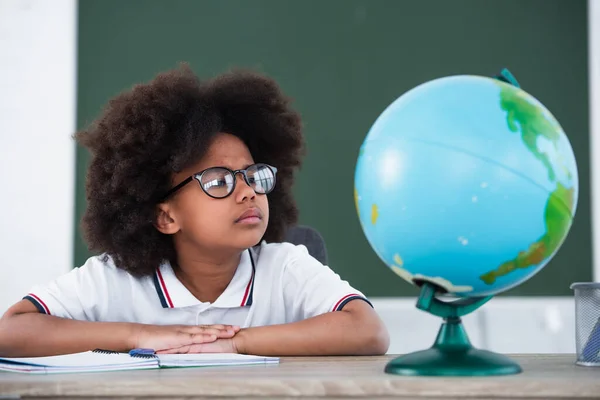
344, 61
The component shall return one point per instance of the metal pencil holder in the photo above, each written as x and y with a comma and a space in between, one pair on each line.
587, 323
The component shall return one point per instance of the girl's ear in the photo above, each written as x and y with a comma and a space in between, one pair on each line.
164, 222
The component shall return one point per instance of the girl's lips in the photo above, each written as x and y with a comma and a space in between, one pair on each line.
250, 216
249, 220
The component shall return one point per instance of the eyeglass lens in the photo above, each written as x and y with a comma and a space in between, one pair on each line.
219, 182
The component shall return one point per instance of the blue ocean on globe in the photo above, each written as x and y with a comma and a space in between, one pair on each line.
468, 182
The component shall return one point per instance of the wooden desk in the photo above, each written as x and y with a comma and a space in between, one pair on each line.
544, 377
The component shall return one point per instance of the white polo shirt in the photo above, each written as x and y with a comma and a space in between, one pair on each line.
274, 283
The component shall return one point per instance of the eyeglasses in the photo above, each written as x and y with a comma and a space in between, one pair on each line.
219, 182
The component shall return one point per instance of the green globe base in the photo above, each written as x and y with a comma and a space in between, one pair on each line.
452, 355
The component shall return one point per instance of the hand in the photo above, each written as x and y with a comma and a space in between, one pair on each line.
217, 346
167, 337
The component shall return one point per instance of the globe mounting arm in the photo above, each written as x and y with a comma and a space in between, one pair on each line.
452, 309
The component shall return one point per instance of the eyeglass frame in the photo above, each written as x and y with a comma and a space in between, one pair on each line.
198, 177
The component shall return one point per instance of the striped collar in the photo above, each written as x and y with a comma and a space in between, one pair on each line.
239, 293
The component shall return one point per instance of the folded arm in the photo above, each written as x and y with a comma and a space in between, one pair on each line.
25, 332
355, 330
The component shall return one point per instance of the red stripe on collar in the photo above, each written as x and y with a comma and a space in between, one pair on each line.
163, 287
247, 292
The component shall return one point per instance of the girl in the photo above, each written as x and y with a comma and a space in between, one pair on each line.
189, 193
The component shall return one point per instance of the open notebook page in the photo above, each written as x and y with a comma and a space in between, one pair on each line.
96, 361
212, 359
77, 362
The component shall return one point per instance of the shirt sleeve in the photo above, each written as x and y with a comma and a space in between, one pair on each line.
311, 288
74, 295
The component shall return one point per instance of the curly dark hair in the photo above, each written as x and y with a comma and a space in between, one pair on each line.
146, 134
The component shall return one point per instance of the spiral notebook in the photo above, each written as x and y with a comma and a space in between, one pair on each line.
103, 361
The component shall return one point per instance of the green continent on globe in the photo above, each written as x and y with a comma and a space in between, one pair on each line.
532, 121
557, 219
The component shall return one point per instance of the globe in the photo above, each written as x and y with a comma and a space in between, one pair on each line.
468, 183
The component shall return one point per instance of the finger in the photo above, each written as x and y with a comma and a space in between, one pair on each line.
214, 347
210, 331
226, 334
177, 350
234, 328
216, 326
217, 332
198, 338
187, 339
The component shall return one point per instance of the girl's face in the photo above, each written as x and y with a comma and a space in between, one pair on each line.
202, 223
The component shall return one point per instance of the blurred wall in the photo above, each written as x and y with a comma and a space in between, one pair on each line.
37, 155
